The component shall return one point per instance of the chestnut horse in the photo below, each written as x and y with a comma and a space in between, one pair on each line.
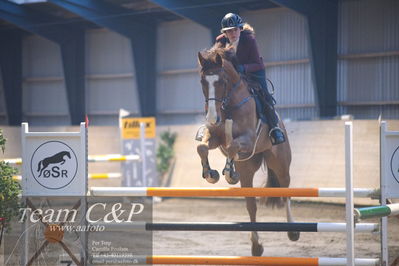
233, 127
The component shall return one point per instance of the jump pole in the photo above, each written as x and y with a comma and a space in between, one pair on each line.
350, 223
377, 211
242, 260
231, 226
228, 192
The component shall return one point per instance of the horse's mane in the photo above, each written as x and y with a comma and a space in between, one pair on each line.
227, 54
211, 54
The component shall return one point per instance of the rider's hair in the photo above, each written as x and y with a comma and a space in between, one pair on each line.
248, 28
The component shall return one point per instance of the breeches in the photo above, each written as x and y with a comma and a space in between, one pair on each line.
260, 77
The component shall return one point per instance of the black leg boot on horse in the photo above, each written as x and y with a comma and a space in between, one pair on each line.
275, 133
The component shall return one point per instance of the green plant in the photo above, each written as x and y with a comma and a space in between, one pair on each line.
165, 151
9, 189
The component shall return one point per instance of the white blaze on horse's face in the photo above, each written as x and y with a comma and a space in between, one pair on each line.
212, 116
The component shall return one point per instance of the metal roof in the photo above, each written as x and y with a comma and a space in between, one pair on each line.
141, 9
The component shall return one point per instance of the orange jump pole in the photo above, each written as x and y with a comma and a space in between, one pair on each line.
233, 192
231, 260
227, 192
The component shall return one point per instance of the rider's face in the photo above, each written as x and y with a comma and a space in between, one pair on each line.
233, 34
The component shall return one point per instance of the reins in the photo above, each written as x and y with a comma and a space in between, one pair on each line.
228, 109
259, 129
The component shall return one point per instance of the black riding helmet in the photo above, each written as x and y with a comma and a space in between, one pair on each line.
231, 21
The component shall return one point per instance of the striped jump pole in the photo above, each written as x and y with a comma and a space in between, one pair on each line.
234, 260
14, 161
90, 175
104, 175
377, 211
90, 158
228, 192
231, 226
112, 158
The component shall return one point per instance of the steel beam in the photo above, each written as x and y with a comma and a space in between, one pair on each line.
32, 21
11, 72
103, 14
142, 34
73, 59
71, 42
144, 55
322, 20
200, 12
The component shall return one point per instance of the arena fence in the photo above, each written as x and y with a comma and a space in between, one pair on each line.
349, 226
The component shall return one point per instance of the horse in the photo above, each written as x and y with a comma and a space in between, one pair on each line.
56, 158
233, 127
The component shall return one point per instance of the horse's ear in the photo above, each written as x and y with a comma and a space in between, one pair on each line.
201, 60
219, 60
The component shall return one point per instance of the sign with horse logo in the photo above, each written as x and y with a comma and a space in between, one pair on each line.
389, 162
395, 164
54, 163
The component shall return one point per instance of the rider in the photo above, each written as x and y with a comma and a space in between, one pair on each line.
240, 36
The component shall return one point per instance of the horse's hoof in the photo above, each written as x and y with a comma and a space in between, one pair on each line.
231, 177
257, 250
294, 236
212, 176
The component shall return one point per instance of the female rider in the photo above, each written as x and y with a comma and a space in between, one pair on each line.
240, 36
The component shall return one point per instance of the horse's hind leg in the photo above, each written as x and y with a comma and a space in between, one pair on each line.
293, 236
247, 171
278, 176
210, 175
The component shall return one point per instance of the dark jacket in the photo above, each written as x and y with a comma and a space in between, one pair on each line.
247, 51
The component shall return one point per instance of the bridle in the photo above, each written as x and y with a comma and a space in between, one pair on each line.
225, 100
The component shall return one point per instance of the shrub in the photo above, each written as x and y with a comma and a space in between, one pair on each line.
165, 151
9, 189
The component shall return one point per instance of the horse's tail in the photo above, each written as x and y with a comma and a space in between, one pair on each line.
272, 181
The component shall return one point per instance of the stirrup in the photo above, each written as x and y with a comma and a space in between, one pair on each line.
274, 129
280, 138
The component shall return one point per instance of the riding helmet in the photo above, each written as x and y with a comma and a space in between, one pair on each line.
231, 21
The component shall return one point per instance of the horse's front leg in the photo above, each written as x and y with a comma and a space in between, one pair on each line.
210, 175
240, 144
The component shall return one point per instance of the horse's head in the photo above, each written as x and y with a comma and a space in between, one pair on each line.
218, 77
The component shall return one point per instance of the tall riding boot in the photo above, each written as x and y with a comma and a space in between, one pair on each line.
275, 133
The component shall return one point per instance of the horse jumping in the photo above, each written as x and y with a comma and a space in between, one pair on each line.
233, 127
